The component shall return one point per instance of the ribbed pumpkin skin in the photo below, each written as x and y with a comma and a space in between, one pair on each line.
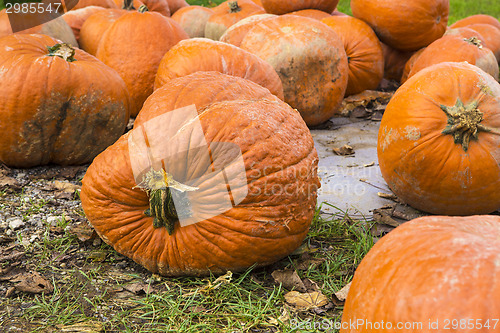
193, 19
224, 17
57, 28
101, 3
202, 54
95, 26
404, 25
262, 229
423, 271
175, 5
234, 34
456, 48
424, 166
76, 18
473, 19
311, 13
409, 65
394, 62
282, 7
126, 43
364, 52
310, 59
54, 111
491, 37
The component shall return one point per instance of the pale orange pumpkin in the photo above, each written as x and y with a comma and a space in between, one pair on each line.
193, 19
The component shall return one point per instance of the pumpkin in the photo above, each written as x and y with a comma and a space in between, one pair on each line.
310, 59
311, 13
282, 7
337, 13
175, 5
159, 6
202, 54
409, 65
56, 28
439, 140
259, 142
429, 273
491, 37
235, 33
364, 53
258, 2
465, 32
479, 18
100, 3
58, 104
193, 19
134, 45
404, 25
454, 48
228, 13
76, 18
394, 62
95, 26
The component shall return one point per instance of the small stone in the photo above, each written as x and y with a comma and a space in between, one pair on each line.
52, 220
15, 223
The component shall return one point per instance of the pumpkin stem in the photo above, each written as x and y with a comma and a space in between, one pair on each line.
464, 122
475, 41
233, 6
163, 191
62, 50
128, 5
143, 9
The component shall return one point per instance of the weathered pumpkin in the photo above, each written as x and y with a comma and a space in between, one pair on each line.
282, 7
57, 104
193, 19
311, 13
228, 13
364, 53
439, 140
235, 33
250, 132
465, 32
404, 25
455, 48
491, 37
95, 26
56, 28
134, 45
431, 274
203, 54
478, 18
76, 18
310, 59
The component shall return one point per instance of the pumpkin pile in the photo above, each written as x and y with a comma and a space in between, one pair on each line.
219, 170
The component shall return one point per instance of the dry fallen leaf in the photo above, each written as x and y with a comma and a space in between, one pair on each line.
306, 301
224, 279
83, 231
139, 288
370, 99
289, 279
32, 282
7, 183
342, 293
344, 150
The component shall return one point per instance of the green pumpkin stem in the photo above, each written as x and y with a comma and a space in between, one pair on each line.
233, 6
128, 5
464, 123
475, 41
62, 50
143, 9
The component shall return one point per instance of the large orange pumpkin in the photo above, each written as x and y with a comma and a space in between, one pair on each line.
175, 5
235, 33
203, 54
491, 37
252, 194
57, 28
101, 3
364, 52
282, 7
134, 45
404, 25
432, 274
456, 48
57, 104
478, 18
311, 13
95, 26
228, 13
439, 140
310, 59
193, 19
76, 18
